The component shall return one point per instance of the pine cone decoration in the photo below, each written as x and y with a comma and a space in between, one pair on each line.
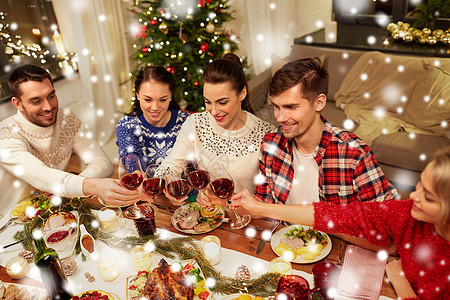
69, 266
242, 273
28, 255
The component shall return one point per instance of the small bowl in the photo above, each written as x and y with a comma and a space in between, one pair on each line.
87, 241
58, 238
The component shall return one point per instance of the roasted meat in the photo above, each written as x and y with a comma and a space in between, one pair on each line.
165, 284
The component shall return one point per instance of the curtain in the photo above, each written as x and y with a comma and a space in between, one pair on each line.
95, 30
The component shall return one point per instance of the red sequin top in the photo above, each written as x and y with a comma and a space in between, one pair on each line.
424, 254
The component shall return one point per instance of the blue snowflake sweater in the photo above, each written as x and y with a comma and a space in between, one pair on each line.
152, 144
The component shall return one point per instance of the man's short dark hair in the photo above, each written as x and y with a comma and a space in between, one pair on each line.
309, 72
26, 73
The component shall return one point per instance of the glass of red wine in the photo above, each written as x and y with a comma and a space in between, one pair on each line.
223, 186
196, 174
154, 184
131, 177
176, 184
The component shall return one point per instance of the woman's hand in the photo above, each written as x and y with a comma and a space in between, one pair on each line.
206, 197
174, 200
245, 200
394, 272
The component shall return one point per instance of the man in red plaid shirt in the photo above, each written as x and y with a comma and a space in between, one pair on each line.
307, 159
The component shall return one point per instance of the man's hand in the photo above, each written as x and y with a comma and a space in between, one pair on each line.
110, 191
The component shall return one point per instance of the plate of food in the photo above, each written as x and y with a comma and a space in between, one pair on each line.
301, 244
21, 291
194, 219
167, 278
242, 297
29, 208
94, 295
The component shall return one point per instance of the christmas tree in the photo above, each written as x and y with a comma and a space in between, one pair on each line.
183, 36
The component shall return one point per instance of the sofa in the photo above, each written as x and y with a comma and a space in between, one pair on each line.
398, 104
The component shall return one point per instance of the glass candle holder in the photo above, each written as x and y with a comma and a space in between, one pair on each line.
144, 220
211, 249
109, 218
141, 259
108, 268
281, 265
17, 267
293, 287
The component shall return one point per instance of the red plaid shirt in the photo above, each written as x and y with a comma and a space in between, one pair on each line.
348, 169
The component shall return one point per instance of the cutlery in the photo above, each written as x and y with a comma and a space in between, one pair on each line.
263, 241
12, 244
7, 224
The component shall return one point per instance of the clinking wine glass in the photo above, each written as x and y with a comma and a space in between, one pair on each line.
154, 184
223, 186
196, 173
131, 177
176, 185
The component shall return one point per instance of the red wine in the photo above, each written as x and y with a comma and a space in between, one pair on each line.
178, 188
198, 179
223, 187
153, 186
145, 224
132, 181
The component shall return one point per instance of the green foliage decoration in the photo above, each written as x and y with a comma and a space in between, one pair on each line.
183, 36
427, 12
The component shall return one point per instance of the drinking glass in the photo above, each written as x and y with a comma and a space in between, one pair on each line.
223, 186
154, 184
131, 177
196, 173
176, 185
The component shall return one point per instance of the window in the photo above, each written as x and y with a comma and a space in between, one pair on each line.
381, 12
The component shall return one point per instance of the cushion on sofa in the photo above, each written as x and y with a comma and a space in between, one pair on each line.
376, 91
429, 107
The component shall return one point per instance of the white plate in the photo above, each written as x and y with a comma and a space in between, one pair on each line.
107, 205
192, 231
277, 236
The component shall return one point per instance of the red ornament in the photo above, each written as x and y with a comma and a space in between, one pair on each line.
170, 69
145, 49
197, 83
202, 2
204, 47
161, 11
153, 22
141, 32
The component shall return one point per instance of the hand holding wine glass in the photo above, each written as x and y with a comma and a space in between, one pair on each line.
131, 177
223, 186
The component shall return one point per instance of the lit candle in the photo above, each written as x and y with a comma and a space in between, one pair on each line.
59, 44
141, 259
17, 267
281, 265
108, 268
211, 249
108, 220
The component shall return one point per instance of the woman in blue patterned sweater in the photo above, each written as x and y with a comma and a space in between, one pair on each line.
152, 126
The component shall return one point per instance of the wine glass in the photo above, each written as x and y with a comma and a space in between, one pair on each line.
223, 186
176, 185
196, 174
154, 184
131, 177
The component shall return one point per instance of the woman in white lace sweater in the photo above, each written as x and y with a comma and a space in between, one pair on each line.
227, 132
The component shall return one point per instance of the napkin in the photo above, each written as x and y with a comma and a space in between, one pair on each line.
362, 274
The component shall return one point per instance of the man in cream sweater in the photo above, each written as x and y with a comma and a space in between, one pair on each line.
37, 143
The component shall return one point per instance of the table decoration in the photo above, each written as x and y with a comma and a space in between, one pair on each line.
326, 276
141, 259
293, 287
210, 245
109, 218
242, 273
281, 265
17, 267
182, 248
108, 268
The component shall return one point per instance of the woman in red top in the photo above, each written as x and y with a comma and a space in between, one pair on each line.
419, 228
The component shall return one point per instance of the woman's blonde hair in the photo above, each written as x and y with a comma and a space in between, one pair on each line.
440, 180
